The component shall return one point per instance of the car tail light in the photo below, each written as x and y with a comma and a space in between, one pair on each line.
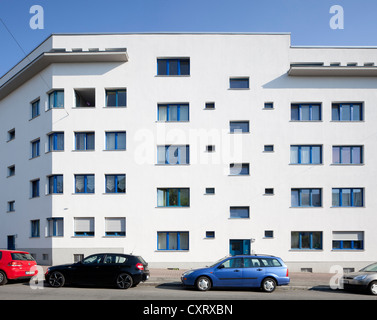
14, 264
287, 273
140, 266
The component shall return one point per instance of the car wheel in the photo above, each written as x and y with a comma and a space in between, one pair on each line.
124, 281
56, 279
203, 283
268, 285
373, 287
3, 278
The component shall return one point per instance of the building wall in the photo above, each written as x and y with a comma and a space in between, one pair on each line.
214, 58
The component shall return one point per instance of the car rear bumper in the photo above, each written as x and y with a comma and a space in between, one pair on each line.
21, 273
283, 281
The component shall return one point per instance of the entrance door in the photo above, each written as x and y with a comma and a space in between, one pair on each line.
11, 243
237, 247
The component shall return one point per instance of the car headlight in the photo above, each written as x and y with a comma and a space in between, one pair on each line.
187, 273
361, 277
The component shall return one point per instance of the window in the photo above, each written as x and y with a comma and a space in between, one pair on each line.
269, 191
84, 227
210, 234
84, 140
116, 98
239, 212
35, 146
116, 140
172, 240
11, 134
54, 227
115, 183
85, 98
173, 112
210, 148
347, 112
268, 148
173, 197
55, 184
306, 197
173, 67
115, 227
347, 197
210, 191
268, 105
306, 240
56, 141
348, 240
11, 170
347, 154
239, 126
34, 228
239, 169
306, 154
306, 112
11, 206
268, 233
173, 154
56, 99
209, 105
35, 109
84, 183
239, 83
34, 188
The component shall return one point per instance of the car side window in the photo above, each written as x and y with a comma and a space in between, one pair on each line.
233, 263
252, 263
95, 259
114, 259
271, 262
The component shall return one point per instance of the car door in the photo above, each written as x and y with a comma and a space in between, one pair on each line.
229, 273
88, 271
112, 267
252, 272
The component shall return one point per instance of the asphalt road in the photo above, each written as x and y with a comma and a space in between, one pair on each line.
23, 291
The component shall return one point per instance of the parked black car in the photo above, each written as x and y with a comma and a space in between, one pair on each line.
122, 270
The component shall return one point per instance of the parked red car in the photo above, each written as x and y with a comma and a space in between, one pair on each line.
16, 264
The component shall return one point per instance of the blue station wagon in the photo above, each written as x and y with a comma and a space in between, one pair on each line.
258, 271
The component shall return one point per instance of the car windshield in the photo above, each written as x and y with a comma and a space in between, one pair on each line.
218, 261
22, 256
370, 268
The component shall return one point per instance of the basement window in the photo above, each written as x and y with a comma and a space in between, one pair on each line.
85, 98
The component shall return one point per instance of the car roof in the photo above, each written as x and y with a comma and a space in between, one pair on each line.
13, 251
255, 256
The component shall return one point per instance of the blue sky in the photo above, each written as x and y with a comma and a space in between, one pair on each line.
306, 20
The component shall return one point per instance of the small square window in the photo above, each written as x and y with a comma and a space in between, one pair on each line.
268, 148
11, 171
210, 190
210, 234
210, 148
239, 83
268, 105
210, 105
269, 191
268, 233
11, 206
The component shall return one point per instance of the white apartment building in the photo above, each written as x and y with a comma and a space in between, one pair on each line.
183, 148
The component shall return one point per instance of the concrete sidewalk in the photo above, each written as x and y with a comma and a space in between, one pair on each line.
299, 280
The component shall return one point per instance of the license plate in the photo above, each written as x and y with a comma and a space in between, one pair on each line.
29, 272
345, 281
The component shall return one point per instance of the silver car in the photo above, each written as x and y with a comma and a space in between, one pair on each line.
365, 279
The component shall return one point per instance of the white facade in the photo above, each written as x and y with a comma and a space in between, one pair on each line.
277, 73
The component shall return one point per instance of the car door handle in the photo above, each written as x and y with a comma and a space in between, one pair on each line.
259, 269
237, 270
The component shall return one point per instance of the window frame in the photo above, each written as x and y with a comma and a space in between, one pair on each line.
237, 83
54, 94
234, 130
167, 239
35, 148
53, 184
300, 197
351, 197
116, 182
339, 108
238, 216
53, 139
183, 157
86, 142
168, 106
85, 183
35, 108
116, 92
53, 225
116, 142
35, 188
166, 198
341, 155
300, 154
300, 107
311, 242
168, 61
244, 169
35, 226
